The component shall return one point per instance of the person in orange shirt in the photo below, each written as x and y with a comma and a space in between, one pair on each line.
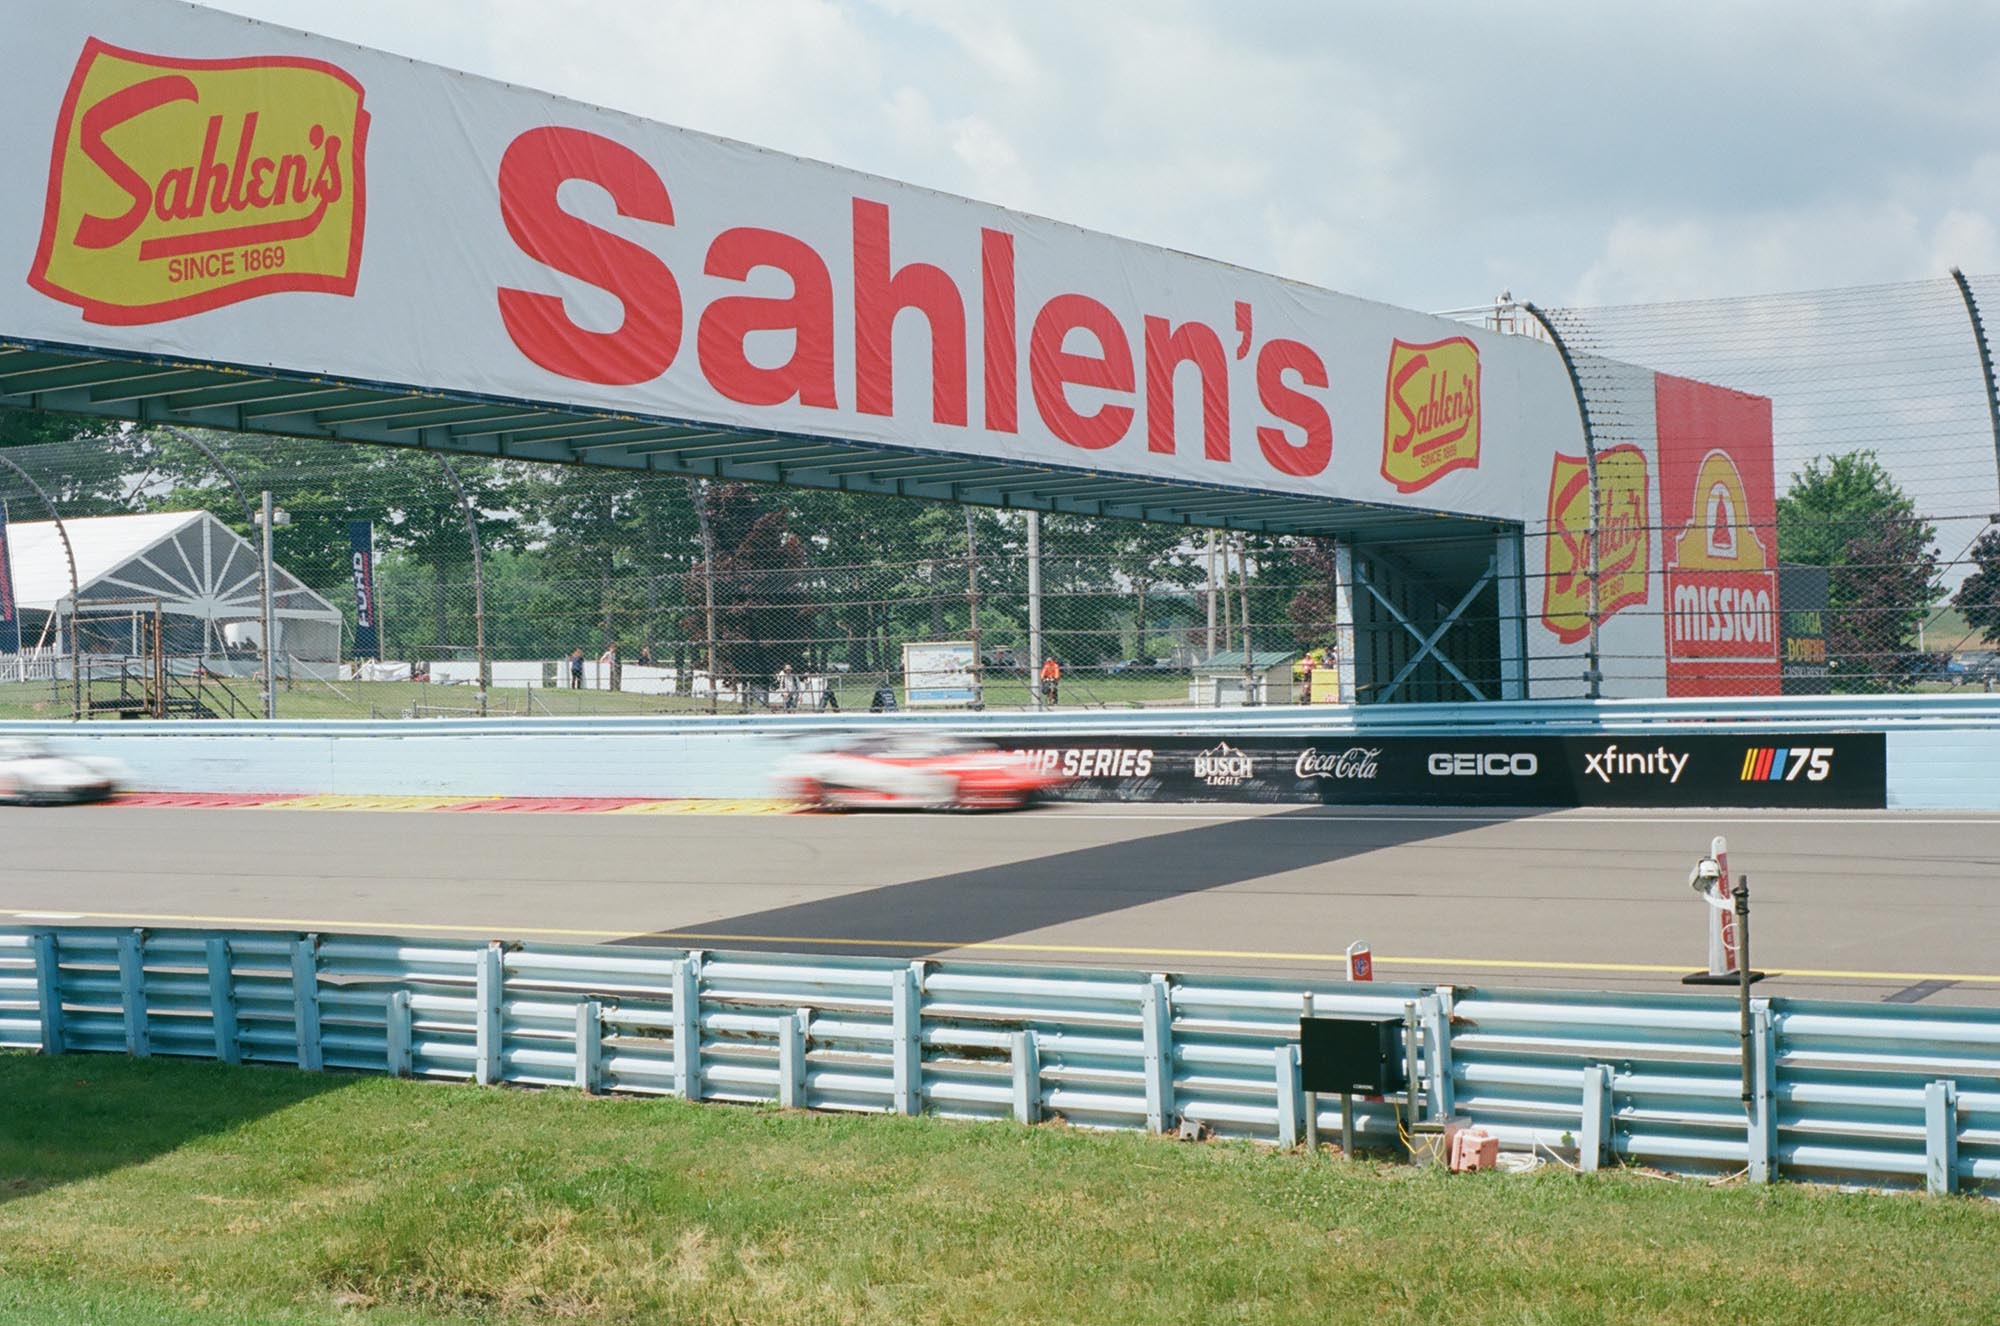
1051, 680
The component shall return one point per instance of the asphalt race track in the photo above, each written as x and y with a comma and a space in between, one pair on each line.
1865, 905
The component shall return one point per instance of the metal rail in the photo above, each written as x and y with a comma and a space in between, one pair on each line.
1884, 1095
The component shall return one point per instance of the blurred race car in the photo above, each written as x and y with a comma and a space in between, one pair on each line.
914, 771
32, 773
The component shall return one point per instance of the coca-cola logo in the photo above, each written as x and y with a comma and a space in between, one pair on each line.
1354, 762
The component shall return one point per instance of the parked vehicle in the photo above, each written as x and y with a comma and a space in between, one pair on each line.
912, 771
1980, 665
34, 773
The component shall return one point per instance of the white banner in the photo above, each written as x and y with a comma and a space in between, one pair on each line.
223, 190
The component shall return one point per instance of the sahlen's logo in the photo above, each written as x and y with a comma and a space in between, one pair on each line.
1356, 762
1222, 765
1431, 417
177, 185
1624, 544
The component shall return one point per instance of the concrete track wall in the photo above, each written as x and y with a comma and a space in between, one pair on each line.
1943, 751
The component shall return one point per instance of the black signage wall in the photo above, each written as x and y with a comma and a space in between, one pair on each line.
1817, 770
1802, 605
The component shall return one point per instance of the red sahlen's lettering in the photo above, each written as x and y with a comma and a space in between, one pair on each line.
538, 163
1083, 362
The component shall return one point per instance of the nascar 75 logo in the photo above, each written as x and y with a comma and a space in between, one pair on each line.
1784, 764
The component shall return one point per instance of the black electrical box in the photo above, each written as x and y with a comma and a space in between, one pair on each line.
1356, 1056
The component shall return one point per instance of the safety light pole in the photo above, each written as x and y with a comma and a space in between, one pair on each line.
1034, 608
267, 517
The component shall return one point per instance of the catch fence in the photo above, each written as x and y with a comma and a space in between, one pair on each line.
1883, 1095
686, 595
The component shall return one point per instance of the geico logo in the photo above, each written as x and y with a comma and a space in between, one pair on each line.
1091, 370
1467, 764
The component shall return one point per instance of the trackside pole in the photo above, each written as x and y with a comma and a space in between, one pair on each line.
1710, 878
1360, 962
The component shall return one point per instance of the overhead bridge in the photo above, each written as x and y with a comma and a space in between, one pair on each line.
395, 254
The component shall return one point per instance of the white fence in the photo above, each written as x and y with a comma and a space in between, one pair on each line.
1854, 1093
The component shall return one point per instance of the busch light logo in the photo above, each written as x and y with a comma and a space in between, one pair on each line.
1222, 765
1354, 762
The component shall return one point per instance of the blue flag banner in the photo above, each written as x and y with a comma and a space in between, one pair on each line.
10, 611
361, 538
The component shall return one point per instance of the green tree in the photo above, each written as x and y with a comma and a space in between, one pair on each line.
1849, 513
1978, 596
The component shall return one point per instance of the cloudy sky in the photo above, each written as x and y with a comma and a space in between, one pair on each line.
1427, 154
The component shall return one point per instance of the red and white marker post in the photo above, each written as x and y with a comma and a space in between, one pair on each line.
1360, 962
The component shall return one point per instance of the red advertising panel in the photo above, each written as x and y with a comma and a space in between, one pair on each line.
1718, 502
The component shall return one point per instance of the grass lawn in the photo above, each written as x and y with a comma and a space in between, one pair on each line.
196, 1195
394, 699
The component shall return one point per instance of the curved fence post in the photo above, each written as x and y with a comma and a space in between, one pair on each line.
1594, 680
1985, 361
75, 593
478, 580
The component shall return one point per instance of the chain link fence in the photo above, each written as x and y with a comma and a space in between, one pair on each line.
599, 592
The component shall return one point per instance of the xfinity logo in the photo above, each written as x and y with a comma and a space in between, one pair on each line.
1222, 765
1653, 763
1354, 762
1466, 764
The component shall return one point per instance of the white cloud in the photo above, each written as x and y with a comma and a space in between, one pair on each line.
1423, 155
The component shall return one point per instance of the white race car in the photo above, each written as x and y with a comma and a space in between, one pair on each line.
917, 771
33, 773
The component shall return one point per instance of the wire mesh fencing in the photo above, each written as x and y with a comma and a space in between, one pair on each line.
528, 589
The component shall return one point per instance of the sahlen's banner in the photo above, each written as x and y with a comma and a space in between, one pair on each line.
367, 627
195, 186
10, 609
1818, 770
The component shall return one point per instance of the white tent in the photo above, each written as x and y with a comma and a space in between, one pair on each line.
202, 574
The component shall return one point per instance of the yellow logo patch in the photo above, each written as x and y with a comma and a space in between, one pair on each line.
1623, 578
1431, 417
178, 185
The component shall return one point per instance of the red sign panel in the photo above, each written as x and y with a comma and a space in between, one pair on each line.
1718, 500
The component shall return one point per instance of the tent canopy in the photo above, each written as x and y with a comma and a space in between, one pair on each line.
190, 563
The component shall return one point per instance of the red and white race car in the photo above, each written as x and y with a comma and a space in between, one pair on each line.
913, 771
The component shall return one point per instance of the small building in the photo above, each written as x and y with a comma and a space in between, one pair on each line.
1219, 678
201, 574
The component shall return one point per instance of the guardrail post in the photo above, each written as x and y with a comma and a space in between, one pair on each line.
687, 1026
1156, 1021
1941, 1136
397, 1029
1435, 1011
222, 1001
1763, 1159
906, 1043
792, 1059
132, 992
1291, 1098
1027, 1061
305, 1002
589, 1046
48, 991
487, 987
1592, 1145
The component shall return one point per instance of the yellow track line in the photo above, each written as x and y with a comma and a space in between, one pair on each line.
995, 946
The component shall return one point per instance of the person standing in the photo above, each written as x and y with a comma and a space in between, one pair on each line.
788, 688
576, 669
1051, 680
